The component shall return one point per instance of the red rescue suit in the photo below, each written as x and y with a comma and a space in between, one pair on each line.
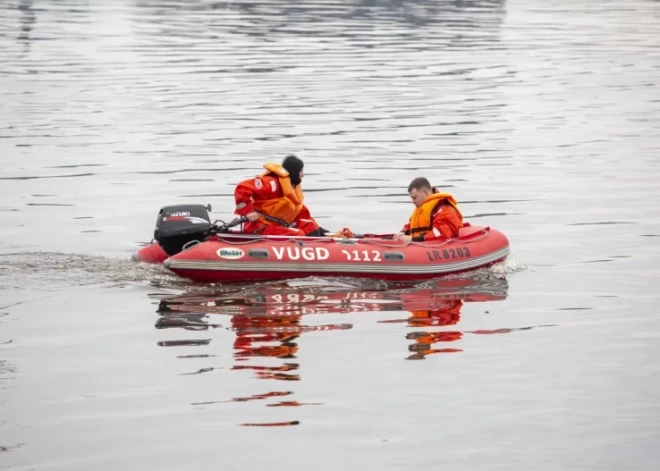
438, 217
272, 194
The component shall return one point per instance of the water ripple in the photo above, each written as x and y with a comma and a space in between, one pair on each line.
541, 117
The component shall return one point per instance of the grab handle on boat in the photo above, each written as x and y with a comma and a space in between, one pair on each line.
189, 244
481, 233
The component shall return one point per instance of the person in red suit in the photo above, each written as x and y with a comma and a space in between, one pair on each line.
273, 202
436, 214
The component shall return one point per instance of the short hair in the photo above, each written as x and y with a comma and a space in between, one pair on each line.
419, 183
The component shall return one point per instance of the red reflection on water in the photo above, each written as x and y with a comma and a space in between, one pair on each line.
4, 449
272, 424
254, 397
285, 367
268, 321
446, 311
294, 404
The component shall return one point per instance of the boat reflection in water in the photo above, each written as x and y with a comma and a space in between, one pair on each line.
268, 319
439, 305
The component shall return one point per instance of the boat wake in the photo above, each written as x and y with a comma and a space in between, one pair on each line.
54, 270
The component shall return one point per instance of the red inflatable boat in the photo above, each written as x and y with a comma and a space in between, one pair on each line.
190, 246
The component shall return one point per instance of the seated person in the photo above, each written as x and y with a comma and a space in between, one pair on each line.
436, 215
273, 202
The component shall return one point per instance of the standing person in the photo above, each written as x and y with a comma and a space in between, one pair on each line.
273, 201
436, 214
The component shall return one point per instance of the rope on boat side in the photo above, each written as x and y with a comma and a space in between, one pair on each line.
425, 244
389, 246
248, 241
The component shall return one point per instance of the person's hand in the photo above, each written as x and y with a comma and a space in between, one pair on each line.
398, 235
405, 238
253, 216
346, 233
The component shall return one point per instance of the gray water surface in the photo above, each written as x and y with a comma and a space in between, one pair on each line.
541, 118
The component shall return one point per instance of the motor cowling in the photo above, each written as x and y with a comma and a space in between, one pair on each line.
179, 225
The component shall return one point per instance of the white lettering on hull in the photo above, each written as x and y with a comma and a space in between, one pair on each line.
306, 253
362, 255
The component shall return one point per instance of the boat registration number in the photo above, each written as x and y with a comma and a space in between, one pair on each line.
447, 254
362, 255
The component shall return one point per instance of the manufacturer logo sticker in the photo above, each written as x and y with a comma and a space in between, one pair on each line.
230, 253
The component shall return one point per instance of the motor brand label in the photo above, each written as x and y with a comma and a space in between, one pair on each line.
230, 253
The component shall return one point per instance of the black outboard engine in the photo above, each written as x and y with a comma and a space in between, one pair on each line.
178, 225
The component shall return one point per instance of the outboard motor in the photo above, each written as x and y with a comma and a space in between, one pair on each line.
178, 225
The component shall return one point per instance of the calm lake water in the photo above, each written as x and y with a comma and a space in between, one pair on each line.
542, 118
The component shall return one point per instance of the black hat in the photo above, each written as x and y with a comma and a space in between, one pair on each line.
293, 165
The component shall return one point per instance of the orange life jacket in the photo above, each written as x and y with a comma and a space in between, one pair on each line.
286, 207
421, 220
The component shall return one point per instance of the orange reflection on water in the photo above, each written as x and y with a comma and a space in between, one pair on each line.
294, 404
446, 312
